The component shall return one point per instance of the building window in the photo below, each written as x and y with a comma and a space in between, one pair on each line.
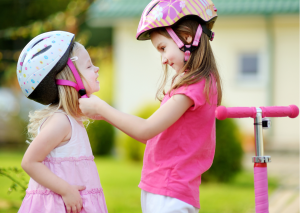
249, 67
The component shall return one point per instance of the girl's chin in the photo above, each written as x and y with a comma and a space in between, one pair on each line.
96, 89
176, 69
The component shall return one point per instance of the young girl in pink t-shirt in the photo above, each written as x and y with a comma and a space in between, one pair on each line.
180, 135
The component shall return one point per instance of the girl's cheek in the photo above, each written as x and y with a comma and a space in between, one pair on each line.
86, 85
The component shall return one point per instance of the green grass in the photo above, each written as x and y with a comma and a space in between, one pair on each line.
9, 203
120, 181
234, 197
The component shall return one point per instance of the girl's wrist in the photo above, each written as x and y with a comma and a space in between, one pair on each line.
63, 189
99, 106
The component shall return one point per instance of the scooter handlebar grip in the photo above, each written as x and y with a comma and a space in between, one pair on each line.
291, 111
235, 112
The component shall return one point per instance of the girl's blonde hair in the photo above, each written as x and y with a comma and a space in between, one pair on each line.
201, 64
67, 100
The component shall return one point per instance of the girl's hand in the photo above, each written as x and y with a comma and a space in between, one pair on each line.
89, 106
72, 199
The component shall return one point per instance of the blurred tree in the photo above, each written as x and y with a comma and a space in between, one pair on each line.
26, 19
13, 132
228, 155
101, 135
18, 13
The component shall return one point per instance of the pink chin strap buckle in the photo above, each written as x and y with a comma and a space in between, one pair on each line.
79, 86
187, 53
188, 49
212, 36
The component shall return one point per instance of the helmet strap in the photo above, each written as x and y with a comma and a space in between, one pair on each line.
208, 32
187, 49
79, 86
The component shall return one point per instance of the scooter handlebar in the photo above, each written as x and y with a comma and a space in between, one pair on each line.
291, 111
222, 112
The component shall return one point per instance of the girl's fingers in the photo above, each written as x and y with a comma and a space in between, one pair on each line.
68, 209
74, 209
79, 207
80, 188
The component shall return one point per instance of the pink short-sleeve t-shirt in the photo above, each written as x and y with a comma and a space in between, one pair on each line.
175, 159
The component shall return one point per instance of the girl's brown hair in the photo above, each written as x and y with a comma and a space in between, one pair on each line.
201, 64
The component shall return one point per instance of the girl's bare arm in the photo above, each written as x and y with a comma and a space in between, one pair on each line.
136, 127
56, 129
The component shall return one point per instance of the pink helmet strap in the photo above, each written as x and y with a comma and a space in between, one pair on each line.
197, 36
187, 49
79, 86
177, 40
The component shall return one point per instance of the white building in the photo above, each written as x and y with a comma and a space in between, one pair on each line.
257, 51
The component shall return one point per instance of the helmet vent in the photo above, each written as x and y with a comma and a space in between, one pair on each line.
42, 51
37, 43
152, 8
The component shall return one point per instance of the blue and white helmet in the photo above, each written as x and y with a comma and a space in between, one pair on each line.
40, 61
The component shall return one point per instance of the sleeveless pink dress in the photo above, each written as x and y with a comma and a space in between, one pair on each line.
73, 162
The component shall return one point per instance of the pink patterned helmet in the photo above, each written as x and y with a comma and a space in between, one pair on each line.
165, 13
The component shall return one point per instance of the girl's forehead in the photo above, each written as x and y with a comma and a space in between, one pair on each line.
157, 38
155, 35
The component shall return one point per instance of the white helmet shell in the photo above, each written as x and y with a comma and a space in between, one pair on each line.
39, 57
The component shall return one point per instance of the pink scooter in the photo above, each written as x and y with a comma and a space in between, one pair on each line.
260, 161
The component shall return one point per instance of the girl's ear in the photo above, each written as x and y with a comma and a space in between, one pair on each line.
188, 38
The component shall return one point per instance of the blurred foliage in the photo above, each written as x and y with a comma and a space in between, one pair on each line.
134, 150
17, 176
31, 18
99, 36
228, 156
26, 12
101, 135
16, 125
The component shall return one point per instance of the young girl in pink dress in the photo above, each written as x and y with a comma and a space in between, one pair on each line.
59, 160
180, 135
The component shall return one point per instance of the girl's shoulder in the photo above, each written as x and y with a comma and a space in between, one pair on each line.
57, 121
60, 124
190, 88
196, 91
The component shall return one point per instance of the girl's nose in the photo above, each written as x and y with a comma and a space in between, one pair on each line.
96, 69
164, 60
